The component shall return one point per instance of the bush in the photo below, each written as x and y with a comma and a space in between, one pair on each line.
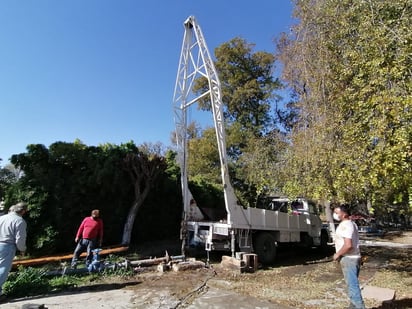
32, 281
26, 281
61, 283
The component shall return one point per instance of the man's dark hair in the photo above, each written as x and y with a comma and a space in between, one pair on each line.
345, 208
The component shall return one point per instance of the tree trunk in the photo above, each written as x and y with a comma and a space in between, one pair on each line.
143, 172
329, 218
128, 226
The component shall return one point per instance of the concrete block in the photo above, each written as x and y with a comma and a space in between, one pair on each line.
232, 263
384, 295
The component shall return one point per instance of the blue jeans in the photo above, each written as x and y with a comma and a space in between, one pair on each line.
7, 253
82, 245
350, 268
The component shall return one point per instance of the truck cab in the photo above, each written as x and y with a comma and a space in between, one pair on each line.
297, 206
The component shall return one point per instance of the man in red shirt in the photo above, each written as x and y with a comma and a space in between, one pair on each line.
88, 236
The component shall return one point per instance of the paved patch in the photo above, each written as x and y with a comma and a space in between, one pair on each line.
113, 299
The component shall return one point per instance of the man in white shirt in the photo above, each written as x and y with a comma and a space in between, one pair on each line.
348, 254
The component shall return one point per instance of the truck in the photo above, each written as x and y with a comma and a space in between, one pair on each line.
258, 230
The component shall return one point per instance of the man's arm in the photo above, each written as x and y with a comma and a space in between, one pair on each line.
21, 235
80, 231
347, 246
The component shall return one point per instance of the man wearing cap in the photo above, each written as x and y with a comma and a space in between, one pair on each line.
13, 232
88, 236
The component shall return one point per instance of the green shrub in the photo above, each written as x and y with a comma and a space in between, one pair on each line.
26, 281
61, 283
36, 281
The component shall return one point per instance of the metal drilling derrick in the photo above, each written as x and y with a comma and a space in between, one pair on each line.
195, 62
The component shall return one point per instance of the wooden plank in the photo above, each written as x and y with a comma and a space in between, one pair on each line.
60, 258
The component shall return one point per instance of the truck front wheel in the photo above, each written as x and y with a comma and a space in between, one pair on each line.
265, 247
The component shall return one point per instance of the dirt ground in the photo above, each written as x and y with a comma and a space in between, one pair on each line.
294, 281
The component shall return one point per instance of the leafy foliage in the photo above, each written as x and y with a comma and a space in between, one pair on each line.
348, 65
247, 84
26, 281
29, 281
64, 182
248, 93
263, 163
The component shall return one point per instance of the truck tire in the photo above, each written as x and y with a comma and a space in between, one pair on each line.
265, 247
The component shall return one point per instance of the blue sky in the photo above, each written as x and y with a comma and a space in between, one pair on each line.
104, 71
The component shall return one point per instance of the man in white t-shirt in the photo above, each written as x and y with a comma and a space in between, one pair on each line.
348, 254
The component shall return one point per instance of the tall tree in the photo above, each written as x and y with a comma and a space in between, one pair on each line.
143, 170
348, 63
8, 175
248, 94
263, 163
248, 85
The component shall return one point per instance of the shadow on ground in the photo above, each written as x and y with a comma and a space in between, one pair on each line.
397, 304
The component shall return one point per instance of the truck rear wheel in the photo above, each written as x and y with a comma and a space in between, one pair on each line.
265, 248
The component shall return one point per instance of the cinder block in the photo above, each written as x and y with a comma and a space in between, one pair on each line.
251, 262
163, 267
